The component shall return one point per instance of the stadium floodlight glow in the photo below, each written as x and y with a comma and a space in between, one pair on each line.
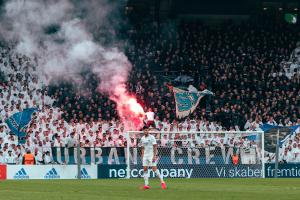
290, 18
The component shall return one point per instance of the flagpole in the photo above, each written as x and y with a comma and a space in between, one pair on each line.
277, 154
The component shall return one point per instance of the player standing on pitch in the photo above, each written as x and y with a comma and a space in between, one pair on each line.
149, 156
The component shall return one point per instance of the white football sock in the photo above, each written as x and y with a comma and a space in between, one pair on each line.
159, 176
146, 177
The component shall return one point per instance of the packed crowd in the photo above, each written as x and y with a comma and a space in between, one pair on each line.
289, 151
239, 63
244, 69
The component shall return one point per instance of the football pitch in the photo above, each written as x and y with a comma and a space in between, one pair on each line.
183, 189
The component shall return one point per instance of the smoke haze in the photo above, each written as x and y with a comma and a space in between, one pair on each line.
59, 33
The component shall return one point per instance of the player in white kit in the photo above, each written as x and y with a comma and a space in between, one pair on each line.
149, 156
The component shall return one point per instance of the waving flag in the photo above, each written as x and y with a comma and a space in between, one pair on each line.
291, 129
19, 121
187, 101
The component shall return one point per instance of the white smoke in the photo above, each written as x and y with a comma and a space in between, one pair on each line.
68, 50
71, 48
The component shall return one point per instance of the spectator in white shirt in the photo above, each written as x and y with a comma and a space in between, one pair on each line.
10, 158
2, 132
38, 156
91, 136
295, 151
271, 121
297, 155
122, 131
150, 118
58, 142
156, 121
87, 143
286, 157
120, 141
47, 158
109, 142
164, 140
11, 140
98, 143
2, 158
70, 140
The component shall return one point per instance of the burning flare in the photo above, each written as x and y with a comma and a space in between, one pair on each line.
130, 111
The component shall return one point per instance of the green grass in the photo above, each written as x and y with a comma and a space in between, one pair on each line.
183, 189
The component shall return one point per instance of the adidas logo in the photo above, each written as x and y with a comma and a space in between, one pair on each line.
52, 174
21, 174
84, 174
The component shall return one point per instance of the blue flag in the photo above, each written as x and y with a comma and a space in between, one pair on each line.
19, 121
186, 102
292, 129
251, 137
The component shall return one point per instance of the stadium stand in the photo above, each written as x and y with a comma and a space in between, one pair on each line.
240, 64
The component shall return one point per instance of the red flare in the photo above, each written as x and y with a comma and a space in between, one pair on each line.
135, 107
130, 111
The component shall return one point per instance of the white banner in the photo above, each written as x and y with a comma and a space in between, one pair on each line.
50, 171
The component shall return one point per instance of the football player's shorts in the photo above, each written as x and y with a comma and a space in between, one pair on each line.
147, 161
